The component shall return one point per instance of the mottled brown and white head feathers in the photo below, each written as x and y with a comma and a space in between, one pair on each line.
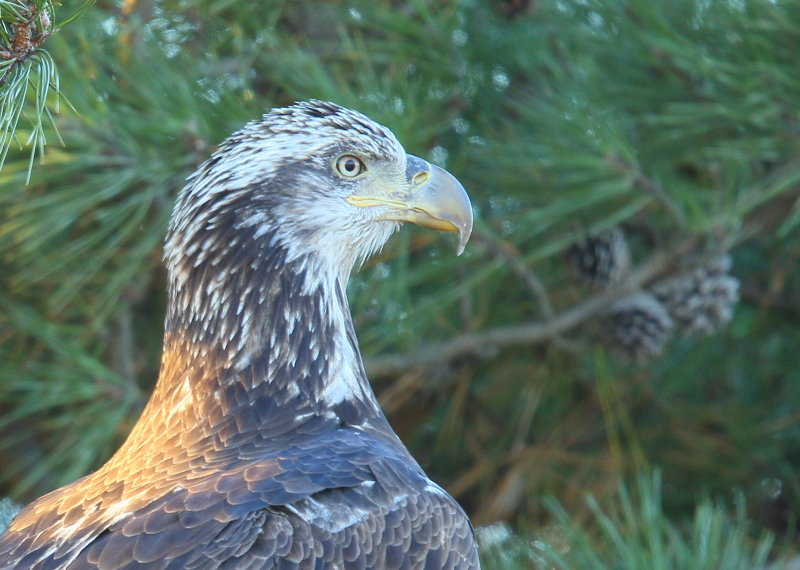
276, 176
262, 241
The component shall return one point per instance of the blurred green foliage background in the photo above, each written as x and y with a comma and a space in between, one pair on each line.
677, 121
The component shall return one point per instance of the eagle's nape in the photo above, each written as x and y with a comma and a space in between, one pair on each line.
263, 444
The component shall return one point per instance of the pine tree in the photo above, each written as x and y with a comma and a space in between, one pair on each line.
675, 121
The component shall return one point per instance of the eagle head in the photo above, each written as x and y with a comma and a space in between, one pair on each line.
319, 181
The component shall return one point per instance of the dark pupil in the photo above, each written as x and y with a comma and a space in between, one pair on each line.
350, 165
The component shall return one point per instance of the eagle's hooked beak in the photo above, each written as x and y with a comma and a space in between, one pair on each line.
433, 199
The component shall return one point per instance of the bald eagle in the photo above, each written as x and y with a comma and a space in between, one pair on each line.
263, 445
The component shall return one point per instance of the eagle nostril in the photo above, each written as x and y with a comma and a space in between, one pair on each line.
421, 178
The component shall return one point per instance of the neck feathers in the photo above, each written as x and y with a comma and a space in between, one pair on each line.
257, 347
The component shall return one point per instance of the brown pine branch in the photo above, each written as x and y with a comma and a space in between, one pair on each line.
649, 186
475, 343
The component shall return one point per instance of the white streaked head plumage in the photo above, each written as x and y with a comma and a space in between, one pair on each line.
278, 174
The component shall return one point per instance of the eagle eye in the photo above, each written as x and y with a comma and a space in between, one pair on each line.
349, 166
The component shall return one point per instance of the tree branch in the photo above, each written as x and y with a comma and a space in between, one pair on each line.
650, 187
531, 332
507, 252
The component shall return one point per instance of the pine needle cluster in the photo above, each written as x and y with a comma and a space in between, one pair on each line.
634, 532
29, 80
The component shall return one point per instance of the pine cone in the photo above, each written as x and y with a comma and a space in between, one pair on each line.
701, 300
638, 326
600, 259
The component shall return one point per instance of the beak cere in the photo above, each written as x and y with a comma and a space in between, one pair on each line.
435, 199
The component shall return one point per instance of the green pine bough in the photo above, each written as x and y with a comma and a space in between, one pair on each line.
29, 83
630, 530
